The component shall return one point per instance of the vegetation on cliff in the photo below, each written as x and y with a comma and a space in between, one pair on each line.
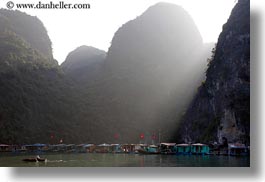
221, 108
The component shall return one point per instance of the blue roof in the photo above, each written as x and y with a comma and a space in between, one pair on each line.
88, 145
35, 145
104, 145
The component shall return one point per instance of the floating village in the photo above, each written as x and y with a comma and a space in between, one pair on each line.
145, 149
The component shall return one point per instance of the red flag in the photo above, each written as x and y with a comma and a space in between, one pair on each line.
116, 135
141, 136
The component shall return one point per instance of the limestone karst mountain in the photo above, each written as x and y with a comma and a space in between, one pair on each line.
32, 103
154, 65
221, 109
143, 84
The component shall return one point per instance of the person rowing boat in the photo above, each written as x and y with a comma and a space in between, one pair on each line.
35, 159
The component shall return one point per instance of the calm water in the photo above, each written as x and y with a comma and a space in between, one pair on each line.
124, 160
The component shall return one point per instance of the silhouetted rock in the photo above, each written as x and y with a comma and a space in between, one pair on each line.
28, 28
84, 64
32, 91
221, 107
82, 58
154, 66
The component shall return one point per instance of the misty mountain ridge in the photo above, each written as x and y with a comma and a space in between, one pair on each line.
32, 103
144, 57
83, 64
21, 24
81, 57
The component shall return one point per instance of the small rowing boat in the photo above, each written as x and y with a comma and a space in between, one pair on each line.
34, 159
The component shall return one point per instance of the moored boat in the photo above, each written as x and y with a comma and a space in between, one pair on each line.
168, 148
34, 159
103, 148
238, 149
151, 149
5, 148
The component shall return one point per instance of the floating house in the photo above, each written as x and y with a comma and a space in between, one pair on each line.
140, 147
103, 148
19, 148
5, 148
116, 148
58, 148
38, 147
149, 149
238, 150
216, 149
85, 148
183, 149
200, 149
80, 148
89, 148
70, 148
168, 148
137, 147
129, 148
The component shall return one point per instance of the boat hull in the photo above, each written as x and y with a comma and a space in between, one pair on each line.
34, 160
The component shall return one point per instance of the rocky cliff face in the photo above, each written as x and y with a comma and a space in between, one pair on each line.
221, 108
28, 28
33, 94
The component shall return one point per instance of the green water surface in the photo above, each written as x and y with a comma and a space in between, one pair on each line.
124, 160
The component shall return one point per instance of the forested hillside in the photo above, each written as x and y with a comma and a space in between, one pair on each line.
144, 84
32, 88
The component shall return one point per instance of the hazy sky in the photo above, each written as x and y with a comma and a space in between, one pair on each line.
96, 26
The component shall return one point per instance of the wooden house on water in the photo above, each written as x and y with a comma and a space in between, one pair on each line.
200, 149
70, 148
149, 149
138, 147
183, 149
5, 148
168, 148
238, 150
37, 148
85, 148
116, 148
129, 148
90, 148
80, 148
103, 148
58, 148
